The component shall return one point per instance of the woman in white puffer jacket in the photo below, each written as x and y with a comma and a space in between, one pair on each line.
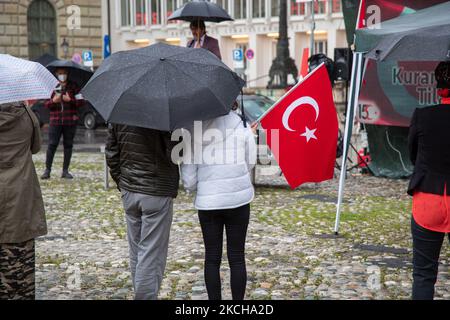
220, 173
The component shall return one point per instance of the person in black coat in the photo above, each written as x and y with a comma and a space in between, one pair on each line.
429, 146
140, 163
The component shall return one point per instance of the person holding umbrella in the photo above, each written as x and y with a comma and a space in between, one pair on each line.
224, 193
202, 40
148, 94
21, 205
63, 107
197, 12
429, 145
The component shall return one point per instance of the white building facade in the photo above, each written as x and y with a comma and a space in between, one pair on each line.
137, 23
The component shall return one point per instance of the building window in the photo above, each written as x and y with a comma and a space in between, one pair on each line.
240, 9
320, 6
155, 12
275, 8
141, 13
259, 8
171, 7
125, 13
223, 4
297, 8
321, 46
41, 29
336, 6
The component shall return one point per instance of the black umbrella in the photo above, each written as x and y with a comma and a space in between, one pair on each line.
77, 73
201, 10
45, 59
162, 87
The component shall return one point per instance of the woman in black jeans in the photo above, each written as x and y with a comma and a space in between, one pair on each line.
221, 176
429, 144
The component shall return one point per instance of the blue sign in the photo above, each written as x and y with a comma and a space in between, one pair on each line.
107, 47
238, 55
87, 56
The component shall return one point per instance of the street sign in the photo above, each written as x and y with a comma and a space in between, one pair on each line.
88, 58
250, 54
106, 47
238, 59
238, 55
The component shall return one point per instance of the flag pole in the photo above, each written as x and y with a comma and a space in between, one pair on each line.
351, 112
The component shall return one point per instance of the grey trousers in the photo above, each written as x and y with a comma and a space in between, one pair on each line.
149, 219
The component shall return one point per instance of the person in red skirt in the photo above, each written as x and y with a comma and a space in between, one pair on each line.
429, 146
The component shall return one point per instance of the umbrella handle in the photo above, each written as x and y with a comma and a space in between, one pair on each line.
244, 118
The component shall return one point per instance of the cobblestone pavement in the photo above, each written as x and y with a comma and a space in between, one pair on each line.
291, 252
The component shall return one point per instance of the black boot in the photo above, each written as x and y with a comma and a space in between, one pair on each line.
51, 150
66, 164
46, 175
66, 175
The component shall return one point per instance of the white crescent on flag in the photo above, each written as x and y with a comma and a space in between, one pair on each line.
309, 134
297, 103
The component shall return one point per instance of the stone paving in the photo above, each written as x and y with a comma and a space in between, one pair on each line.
291, 252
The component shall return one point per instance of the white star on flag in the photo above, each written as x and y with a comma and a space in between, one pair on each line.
309, 134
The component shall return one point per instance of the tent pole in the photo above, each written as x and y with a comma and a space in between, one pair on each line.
355, 85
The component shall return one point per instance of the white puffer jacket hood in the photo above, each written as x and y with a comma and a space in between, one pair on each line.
225, 154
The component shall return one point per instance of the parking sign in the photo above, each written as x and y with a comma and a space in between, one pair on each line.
238, 58
88, 59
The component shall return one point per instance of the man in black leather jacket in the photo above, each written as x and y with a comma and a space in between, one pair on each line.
140, 163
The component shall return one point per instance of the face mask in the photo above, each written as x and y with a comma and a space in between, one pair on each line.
62, 77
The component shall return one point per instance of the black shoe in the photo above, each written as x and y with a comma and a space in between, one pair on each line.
66, 175
46, 175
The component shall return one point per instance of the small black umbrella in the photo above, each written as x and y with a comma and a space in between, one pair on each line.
201, 10
77, 73
162, 87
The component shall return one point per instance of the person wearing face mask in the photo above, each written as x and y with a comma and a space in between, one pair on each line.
202, 40
63, 108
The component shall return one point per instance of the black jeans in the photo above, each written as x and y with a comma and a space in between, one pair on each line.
55, 133
427, 246
235, 222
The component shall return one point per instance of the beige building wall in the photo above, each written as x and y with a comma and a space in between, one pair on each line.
14, 32
255, 33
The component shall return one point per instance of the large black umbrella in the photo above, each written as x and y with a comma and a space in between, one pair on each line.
201, 10
77, 73
45, 59
162, 87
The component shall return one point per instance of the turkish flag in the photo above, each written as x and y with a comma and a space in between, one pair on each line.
302, 130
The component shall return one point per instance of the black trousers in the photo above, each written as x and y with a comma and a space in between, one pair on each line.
55, 133
427, 246
235, 222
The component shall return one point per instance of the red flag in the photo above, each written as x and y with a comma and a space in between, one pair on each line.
361, 20
304, 66
302, 130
